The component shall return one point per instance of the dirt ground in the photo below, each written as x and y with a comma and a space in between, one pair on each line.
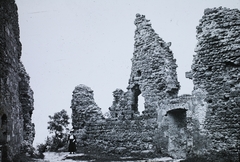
66, 157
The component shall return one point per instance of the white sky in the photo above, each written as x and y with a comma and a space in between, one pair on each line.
71, 42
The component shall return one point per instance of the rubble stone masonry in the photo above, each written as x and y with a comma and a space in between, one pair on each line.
111, 136
216, 70
153, 74
16, 96
203, 124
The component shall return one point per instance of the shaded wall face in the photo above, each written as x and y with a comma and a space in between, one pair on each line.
9, 96
216, 69
11, 106
3, 130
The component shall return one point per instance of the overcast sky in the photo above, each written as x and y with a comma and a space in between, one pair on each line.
70, 42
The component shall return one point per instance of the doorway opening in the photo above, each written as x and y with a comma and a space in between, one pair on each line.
177, 131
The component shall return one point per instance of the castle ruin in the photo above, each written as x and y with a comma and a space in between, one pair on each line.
205, 123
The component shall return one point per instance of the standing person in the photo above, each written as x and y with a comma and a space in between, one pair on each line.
72, 143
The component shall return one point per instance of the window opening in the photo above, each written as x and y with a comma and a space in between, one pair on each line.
137, 99
139, 73
140, 104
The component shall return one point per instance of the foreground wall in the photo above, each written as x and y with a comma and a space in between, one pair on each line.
16, 97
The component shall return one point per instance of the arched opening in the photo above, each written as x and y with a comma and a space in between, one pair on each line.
137, 99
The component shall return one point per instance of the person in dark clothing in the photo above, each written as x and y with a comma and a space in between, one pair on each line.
72, 143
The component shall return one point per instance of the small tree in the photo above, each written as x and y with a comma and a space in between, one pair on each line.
58, 125
58, 122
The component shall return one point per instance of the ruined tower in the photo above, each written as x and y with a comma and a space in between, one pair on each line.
153, 73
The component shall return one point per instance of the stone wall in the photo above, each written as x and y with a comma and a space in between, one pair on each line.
84, 108
16, 97
216, 70
111, 136
26, 99
127, 132
203, 124
206, 123
181, 121
153, 74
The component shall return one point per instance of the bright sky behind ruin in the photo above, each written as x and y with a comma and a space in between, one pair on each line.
70, 42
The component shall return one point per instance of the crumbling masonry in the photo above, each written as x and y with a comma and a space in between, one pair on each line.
16, 97
203, 123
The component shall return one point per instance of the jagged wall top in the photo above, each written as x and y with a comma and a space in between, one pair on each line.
145, 34
140, 19
218, 46
84, 108
153, 72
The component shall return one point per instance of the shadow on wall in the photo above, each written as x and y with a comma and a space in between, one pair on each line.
3, 137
